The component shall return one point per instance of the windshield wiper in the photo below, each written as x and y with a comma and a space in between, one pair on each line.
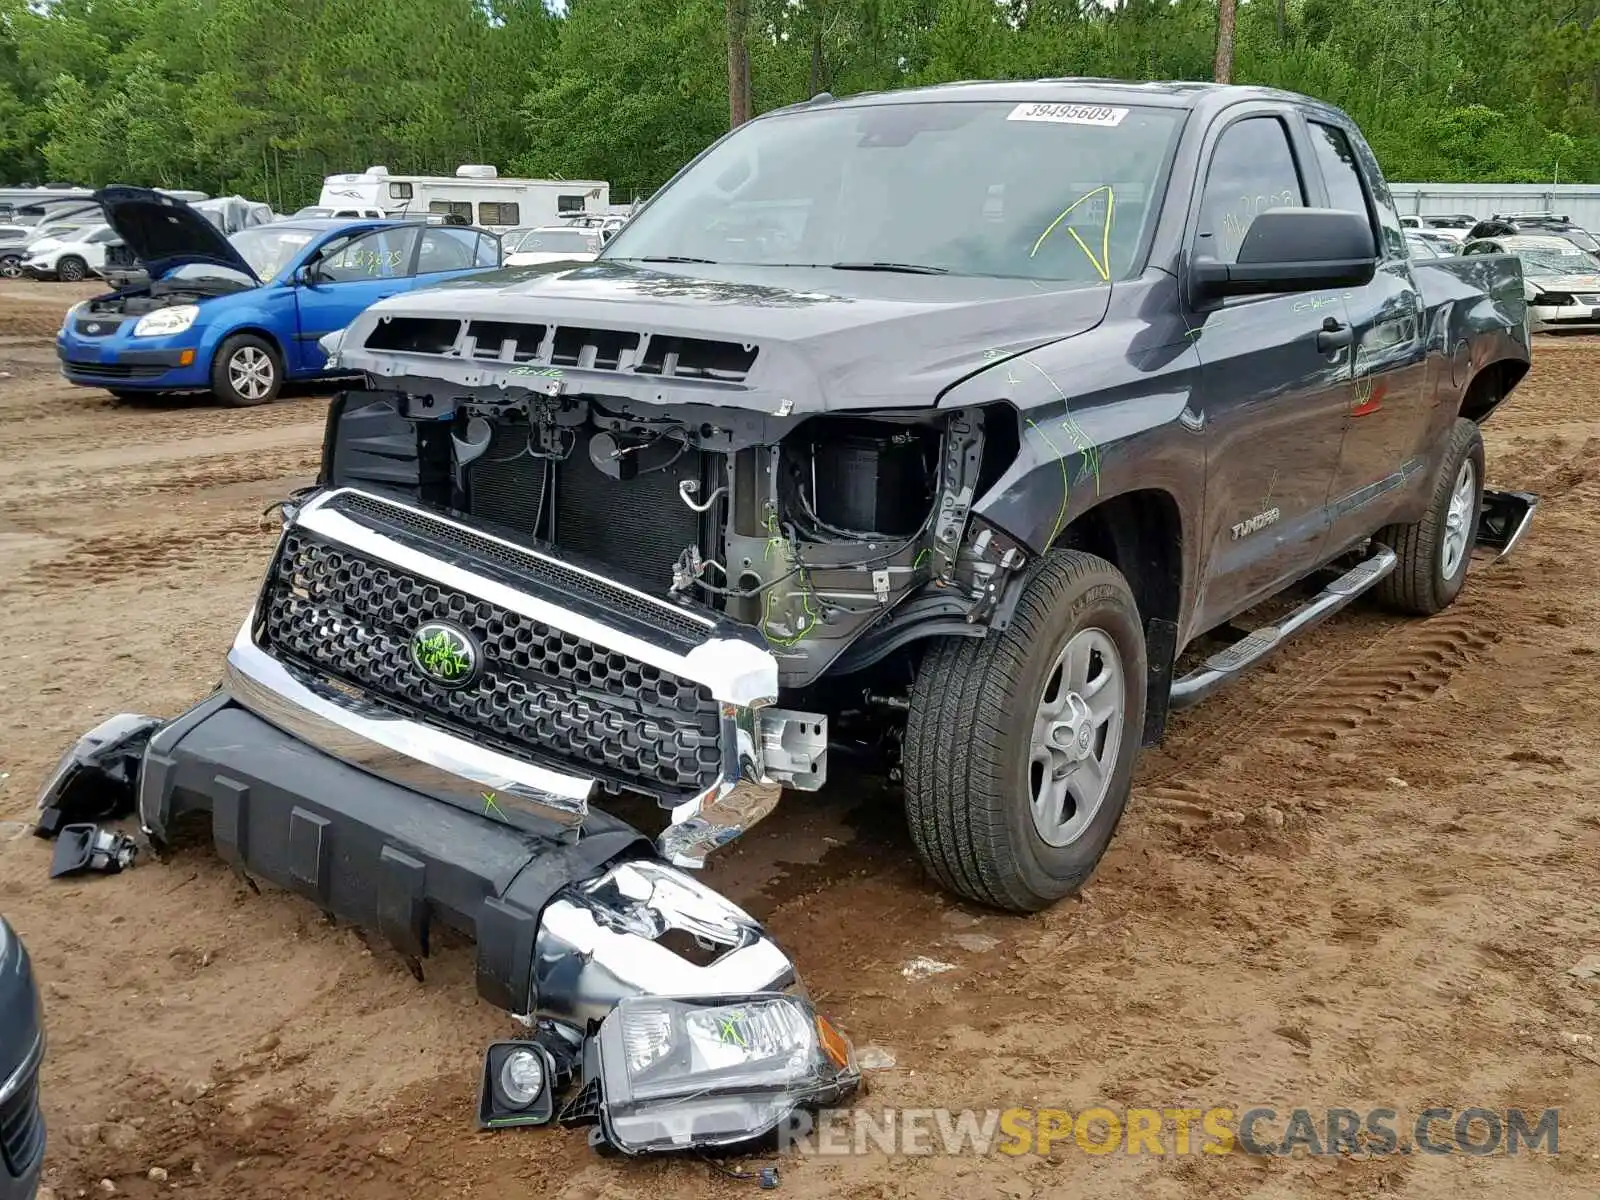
676, 258
902, 268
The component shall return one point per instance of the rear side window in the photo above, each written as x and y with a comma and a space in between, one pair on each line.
447, 248
1341, 172
488, 250
1252, 169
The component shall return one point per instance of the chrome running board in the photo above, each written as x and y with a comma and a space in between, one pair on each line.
1251, 649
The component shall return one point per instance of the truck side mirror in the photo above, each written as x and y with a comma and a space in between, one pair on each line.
1293, 250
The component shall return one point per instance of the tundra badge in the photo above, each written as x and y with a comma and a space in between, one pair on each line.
1252, 524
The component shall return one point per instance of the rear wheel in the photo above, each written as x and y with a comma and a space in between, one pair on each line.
10, 266
1019, 747
1434, 552
71, 269
246, 371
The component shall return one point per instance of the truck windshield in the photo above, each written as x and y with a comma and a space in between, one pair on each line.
1035, 190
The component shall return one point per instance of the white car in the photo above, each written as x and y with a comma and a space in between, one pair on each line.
70, 256
1562, 282
1451, 226
548, 244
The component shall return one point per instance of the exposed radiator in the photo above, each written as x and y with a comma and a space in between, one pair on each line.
634, 528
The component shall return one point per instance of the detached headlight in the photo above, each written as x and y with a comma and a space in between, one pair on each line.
718, 1071
165, 321
1554, 299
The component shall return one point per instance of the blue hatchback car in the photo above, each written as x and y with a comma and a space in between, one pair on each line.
238, 315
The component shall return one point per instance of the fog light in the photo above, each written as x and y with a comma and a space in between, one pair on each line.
716, 1071
517, 1086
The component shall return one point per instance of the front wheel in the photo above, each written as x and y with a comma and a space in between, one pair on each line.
1433, 552
246, 371
72, 269
1020, 747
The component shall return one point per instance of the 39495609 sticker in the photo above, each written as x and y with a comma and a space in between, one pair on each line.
1068, 114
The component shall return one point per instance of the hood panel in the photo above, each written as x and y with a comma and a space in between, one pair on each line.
822, 339
164, 232
1567, 283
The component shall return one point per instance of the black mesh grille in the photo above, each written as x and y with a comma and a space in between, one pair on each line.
92, 326
22, 1128
444, 535
540, 690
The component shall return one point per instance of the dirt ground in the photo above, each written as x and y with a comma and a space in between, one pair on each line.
1358, 878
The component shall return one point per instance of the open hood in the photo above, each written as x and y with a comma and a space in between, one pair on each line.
164, 232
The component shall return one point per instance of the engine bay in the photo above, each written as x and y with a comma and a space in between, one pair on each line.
839, 537
144, 298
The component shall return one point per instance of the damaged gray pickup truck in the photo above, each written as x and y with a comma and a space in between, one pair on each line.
951, 423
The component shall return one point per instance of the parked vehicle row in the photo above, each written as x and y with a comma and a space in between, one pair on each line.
1560, 265
1562, 281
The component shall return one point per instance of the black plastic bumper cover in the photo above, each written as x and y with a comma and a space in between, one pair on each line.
368, 851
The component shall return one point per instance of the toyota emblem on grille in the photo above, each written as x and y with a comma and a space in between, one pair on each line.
92, 328
445, 653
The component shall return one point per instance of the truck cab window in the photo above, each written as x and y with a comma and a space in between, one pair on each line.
1392, 237
1252, 169
1339, 170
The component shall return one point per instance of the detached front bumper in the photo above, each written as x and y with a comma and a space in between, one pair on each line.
566, 921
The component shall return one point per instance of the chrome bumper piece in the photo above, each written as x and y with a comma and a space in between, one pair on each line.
599, 941
763, 748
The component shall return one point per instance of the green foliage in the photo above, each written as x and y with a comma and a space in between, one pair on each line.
267, 97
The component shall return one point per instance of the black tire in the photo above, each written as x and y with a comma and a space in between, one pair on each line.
1420, 584
10, 266
71, 269
968, 740
234, 352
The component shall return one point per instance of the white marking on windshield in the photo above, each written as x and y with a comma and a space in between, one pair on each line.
1068, 114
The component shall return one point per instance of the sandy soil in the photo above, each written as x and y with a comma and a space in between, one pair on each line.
1358, 878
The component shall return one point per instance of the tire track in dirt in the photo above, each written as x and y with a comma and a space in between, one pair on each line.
1384, 680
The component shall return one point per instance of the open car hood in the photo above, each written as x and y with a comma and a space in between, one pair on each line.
164, 232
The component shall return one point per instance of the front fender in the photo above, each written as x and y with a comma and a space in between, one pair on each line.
246, 312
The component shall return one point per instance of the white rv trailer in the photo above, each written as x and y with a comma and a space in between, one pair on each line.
476, 193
